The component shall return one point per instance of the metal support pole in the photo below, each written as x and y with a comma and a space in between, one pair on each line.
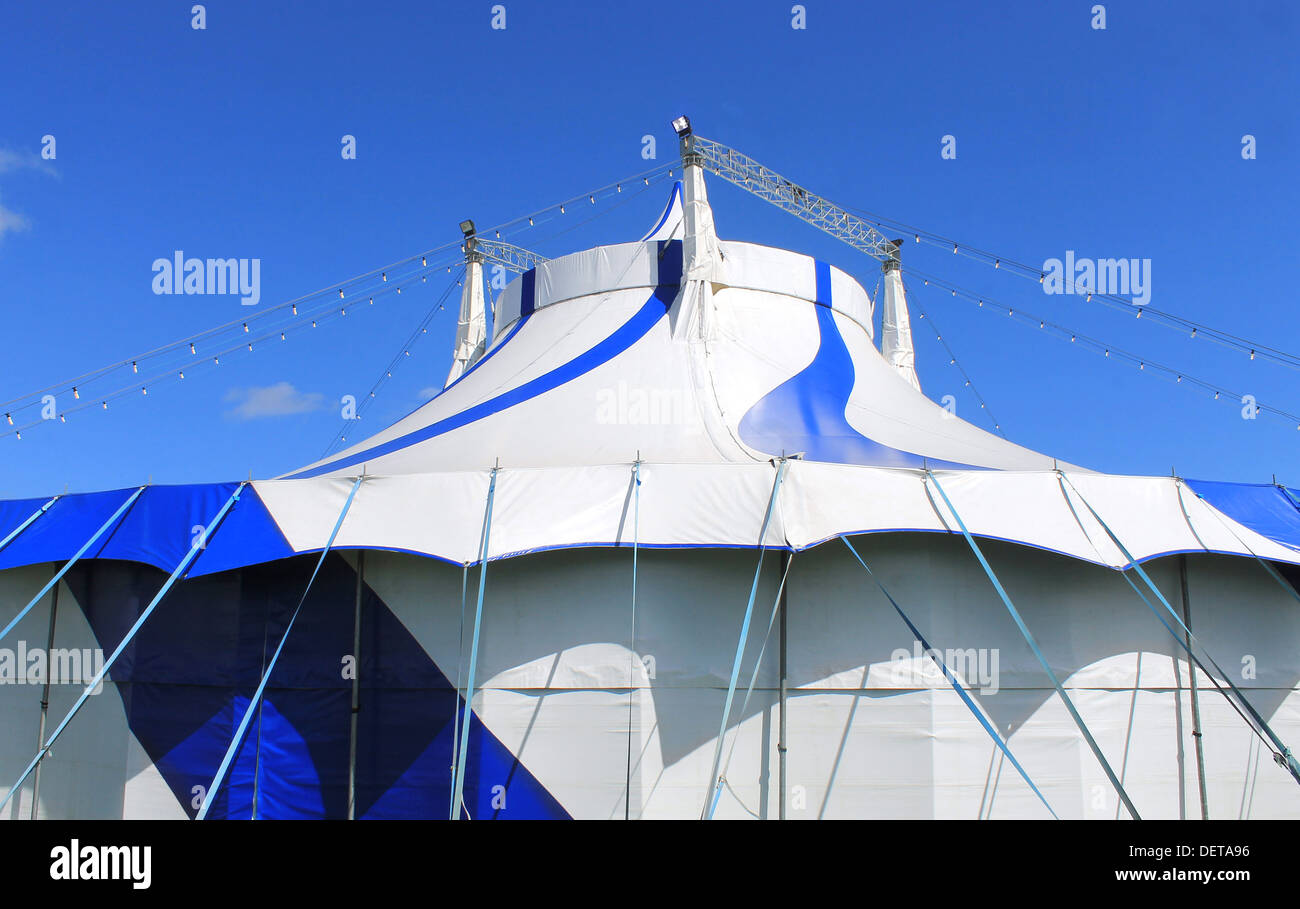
781, 733
1196, 707
45, 698
356, 689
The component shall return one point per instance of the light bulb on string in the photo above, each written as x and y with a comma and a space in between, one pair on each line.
245, 328
295, 309
76, 396
191, 347
134, 367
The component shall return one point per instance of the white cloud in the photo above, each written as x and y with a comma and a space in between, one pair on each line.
429, 393
11, 221
278, 400
12, 160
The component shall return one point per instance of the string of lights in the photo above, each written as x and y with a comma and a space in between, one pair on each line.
647, 182
311, 307
1107, 350
178, 372
952, 359
420, 330
1255, 349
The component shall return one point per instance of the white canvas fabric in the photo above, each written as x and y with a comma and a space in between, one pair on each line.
896, 329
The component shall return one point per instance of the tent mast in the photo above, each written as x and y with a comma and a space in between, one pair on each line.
471, 329
895, 325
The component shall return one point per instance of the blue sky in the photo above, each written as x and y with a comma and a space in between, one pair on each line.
225, 142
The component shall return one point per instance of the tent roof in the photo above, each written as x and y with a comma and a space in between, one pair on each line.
616, 355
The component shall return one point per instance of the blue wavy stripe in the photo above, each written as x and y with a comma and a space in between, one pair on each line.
663, 219
807, 412
622, 338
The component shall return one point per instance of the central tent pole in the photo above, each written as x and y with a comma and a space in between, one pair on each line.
780, 737
1196, 706
631, 655
356, 689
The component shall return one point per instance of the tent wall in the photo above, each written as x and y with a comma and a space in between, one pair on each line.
566, 705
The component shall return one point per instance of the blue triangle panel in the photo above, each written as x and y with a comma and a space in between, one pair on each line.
186, 680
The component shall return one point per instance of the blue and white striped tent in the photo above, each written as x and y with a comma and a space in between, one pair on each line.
615, 535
